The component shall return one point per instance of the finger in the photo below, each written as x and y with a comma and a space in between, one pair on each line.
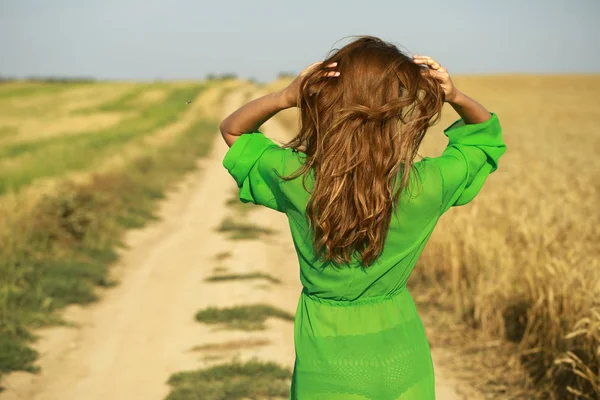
333, 74
425, 58
423, 62
437, 72
430, 62
437, 75
332, 65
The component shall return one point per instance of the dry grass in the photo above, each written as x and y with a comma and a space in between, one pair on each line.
520, 262
38, 114
151, 97
35, 98
44, 127
58, 234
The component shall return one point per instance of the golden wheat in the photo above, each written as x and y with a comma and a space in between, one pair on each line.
521, 260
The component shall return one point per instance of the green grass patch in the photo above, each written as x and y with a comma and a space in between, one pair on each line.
21, 89
236, 230
247, 318
222, 255
124, 102
58, 155
231, 345
127, 101
237, 205
220, 269
232, 381
8, 131
250, 275
60, 252
15, 354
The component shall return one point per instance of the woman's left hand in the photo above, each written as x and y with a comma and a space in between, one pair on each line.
292, 91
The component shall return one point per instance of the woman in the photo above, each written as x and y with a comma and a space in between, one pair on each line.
360, 208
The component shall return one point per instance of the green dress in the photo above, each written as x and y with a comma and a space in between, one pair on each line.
357, 333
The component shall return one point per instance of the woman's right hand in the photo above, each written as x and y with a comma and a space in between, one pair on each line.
440, 74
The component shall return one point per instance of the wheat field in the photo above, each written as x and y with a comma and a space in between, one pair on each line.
521, 261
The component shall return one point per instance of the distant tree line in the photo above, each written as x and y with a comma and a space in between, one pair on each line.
221, 77
49, 79
85, 79
227, 76
286, 74
230, 75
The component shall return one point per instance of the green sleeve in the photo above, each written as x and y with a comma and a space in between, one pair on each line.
252, 161
471, 156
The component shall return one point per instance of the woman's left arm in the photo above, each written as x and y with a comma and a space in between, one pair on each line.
251, 116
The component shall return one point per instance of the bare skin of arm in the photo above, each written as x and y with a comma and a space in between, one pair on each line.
469, 110
251, 116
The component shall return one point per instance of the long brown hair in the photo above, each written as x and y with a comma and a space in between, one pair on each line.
359, 131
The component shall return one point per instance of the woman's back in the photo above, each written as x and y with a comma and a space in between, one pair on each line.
454, 178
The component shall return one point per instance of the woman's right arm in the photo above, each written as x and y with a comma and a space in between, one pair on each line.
475, 143
469, 110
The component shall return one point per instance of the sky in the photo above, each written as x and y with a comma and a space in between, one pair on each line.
188, 39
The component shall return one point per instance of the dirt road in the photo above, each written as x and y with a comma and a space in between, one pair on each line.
128, 344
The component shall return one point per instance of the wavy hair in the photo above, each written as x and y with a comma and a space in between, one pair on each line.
360, 133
